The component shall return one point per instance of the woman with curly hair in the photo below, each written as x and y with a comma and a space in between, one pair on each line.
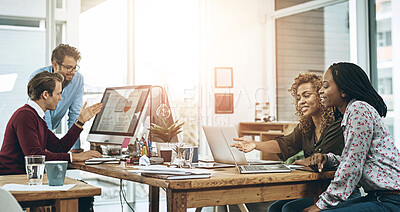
318, 132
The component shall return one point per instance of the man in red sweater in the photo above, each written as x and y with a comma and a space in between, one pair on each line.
27, 133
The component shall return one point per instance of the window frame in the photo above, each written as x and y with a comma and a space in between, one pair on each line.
360, 50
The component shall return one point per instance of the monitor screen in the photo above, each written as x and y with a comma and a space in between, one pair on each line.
122, 108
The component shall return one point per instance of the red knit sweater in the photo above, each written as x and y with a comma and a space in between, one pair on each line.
27, 134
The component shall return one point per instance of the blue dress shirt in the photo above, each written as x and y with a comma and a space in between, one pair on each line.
72, 100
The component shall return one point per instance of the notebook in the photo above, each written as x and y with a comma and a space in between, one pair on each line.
220, 138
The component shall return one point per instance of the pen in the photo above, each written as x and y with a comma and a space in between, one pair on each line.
149, 146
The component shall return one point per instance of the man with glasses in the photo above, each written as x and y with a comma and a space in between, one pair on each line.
64, 61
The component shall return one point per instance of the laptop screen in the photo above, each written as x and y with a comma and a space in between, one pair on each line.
219, 139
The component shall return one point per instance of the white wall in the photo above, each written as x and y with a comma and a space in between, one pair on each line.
233, 35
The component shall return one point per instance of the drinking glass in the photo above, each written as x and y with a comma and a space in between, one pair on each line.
34, 165
185, 156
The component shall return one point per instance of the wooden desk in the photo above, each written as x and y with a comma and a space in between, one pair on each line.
62, 200
225, 187
267, 131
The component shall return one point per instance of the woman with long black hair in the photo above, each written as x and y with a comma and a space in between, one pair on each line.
370, 157
317, 132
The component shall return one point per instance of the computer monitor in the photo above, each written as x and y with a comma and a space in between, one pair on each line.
121, 114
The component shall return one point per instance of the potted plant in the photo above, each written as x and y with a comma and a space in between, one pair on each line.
165, 133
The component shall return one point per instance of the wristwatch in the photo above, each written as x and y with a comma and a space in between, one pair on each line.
79, 123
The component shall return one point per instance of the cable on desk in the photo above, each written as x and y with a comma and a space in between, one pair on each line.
123, 194
120, 192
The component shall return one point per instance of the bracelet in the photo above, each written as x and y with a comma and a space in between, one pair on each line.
79, 123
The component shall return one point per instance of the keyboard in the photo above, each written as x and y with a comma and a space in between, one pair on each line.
249, 169
253, 168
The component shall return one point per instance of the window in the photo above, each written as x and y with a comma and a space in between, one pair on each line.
384, 38
387, 38
60, 35
23, 38
60, 4
103, 47
308, 41
175, 63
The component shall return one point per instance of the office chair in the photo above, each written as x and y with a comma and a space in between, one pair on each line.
8, 202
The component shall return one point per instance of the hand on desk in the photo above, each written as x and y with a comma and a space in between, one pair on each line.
312, 208
245, 144
316, 161
83, 156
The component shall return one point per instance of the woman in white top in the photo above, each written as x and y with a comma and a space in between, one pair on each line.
370, 157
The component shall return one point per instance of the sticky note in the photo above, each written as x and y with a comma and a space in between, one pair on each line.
125, 142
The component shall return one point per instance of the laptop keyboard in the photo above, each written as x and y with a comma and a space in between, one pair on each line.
253, 168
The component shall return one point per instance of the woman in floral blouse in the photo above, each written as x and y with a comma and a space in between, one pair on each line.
317, 132
370, 157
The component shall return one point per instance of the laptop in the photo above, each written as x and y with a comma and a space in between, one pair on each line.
220, 138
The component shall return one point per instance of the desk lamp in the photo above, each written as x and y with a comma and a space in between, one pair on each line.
163, 110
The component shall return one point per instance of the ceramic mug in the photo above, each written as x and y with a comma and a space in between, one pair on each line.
56, 172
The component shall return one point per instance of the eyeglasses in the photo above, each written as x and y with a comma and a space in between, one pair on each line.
70, 68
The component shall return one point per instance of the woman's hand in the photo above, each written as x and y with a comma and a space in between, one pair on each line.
317, 161
245, 144
88, 112
312, 208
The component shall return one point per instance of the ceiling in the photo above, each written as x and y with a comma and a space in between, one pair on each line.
87, 4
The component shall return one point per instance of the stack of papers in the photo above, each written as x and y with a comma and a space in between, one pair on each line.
22, 187
95, 161
163, 172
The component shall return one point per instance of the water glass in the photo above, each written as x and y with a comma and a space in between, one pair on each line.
34, 165
185, 156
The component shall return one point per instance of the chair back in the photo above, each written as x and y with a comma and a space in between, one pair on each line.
8, 202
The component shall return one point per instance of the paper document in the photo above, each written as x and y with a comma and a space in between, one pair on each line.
159, 169
176, 177
23, 187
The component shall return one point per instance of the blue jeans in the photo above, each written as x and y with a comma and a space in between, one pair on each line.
372, 202
299, 204
291, 205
